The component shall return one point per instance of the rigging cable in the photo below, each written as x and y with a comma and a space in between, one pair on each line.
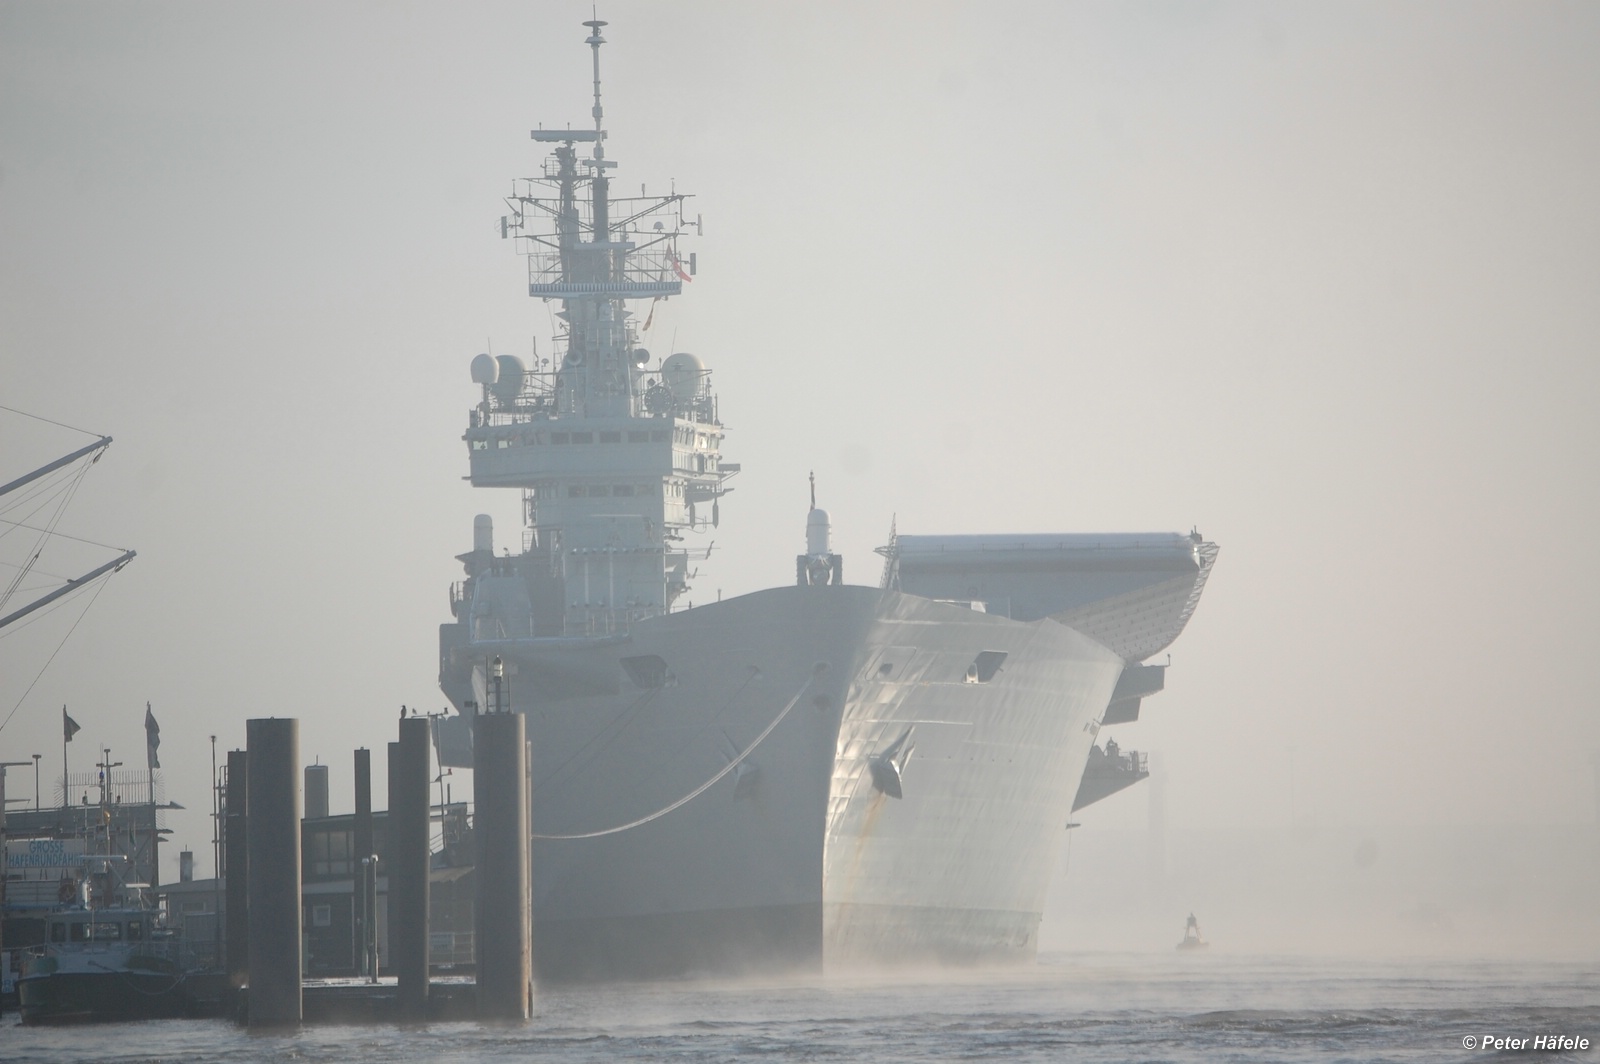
53, 654
70, 489
47, 421
698, 791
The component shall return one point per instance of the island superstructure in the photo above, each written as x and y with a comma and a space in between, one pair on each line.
806, 775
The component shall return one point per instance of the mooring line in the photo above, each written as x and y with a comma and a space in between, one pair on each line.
697, 792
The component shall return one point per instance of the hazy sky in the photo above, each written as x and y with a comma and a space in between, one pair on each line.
1322, 280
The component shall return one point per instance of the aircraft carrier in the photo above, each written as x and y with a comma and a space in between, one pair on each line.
822, 774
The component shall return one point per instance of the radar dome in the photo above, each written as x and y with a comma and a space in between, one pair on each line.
684, 375
510, 377
819, 532
485, 370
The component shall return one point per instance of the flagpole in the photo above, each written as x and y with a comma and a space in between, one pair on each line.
64, 786
150, 788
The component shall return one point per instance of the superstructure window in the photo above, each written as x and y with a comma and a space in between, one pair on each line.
575, 491
611, 437
638, 437
622, 489
599, 491
583, 437
560, 437
661, 436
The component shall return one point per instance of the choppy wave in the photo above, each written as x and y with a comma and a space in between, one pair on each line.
1078, 1007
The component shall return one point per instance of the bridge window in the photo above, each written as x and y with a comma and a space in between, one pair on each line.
611, 437
560, 437
661, 436
638, 437
575, 491
622, 489
583, 437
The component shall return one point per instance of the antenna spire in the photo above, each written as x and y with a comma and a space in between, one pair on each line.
813, 489
594, 42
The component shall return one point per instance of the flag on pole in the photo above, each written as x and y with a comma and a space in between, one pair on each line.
69, 727
677, 267
152, 738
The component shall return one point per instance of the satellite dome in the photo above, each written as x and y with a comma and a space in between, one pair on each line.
485, 370
684, 375
510, 377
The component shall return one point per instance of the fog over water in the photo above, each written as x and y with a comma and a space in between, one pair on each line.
1319, 280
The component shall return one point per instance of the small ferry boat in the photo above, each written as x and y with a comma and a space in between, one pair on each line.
99, 962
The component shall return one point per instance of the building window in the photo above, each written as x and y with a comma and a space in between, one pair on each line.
330, 852
322, 916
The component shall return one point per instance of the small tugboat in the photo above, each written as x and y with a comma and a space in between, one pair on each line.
1192, 938
115, 960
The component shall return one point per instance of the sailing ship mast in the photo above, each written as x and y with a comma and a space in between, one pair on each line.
96, 449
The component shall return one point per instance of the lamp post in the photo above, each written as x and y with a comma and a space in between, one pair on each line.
36, 758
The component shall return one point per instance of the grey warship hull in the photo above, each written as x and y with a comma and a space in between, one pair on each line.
796, 858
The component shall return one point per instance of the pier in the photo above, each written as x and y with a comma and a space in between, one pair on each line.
287, 875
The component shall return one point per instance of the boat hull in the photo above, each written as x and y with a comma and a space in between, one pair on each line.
100, 997
797, 857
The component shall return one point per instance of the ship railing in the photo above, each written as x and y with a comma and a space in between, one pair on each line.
169, 948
